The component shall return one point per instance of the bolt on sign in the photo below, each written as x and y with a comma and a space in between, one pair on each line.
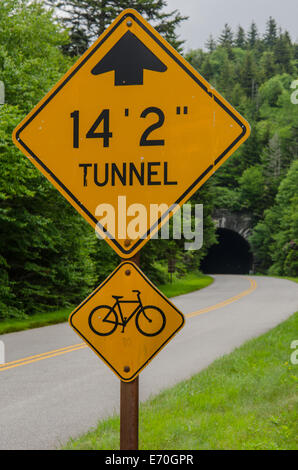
131, 118
126, 321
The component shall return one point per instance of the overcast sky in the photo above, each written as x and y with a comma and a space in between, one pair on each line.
209, 16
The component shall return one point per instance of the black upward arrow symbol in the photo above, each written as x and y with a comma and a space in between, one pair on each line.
129, 57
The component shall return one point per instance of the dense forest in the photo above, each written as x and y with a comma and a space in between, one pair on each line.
256, 73
49, 256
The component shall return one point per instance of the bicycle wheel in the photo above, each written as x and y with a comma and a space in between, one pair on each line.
103, 320
150, 320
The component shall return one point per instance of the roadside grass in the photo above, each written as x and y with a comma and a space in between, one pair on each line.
186, 284
245, 400
294, 279
189, 283
11, 325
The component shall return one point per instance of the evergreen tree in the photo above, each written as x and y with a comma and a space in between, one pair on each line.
237, 95
87, 19
273, 159
226, 37
252, 35
240, 40
248, 77
283, 53
207, 70
270, 36
226, 78
268, 63
275, 239
210, 44
272, 165
196, 58
252, 188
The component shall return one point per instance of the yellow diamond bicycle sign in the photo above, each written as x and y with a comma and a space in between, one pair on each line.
126, 321
130, 121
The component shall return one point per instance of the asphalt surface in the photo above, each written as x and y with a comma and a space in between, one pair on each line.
47, 398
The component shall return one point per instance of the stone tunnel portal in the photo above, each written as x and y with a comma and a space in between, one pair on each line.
231, 255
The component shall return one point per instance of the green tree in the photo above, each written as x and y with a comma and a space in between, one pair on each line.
207, 69
240, 39
258, 83
271, 91
252, 190
272, 158
210, 44
252, 35
283, 54
226, 40
237, 95
270, 36
268, 64
248, 76
260, 241
44, 245
196, 57
30, 57
226, 78
87, 19
284, 249
275, 240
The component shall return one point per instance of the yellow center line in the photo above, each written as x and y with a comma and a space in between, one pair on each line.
40, 355
76, 347
253, 286
46, 356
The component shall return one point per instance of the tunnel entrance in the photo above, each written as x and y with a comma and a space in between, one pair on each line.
230, 256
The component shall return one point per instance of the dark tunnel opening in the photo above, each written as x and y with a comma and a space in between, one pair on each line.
230, 256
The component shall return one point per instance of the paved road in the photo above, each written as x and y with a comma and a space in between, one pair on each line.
46, 398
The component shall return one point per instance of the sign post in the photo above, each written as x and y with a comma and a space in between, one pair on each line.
129, 404
129, 415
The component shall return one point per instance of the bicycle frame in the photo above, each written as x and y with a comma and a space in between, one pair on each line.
125, 320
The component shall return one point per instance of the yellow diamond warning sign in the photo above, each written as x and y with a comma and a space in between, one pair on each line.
126, 321
130, 124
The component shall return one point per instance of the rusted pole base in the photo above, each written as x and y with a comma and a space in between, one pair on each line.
129, 404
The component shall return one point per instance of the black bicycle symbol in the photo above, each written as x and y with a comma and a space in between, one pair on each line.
150, 320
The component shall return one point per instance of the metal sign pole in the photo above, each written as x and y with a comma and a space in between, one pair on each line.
129, 404
129, 415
